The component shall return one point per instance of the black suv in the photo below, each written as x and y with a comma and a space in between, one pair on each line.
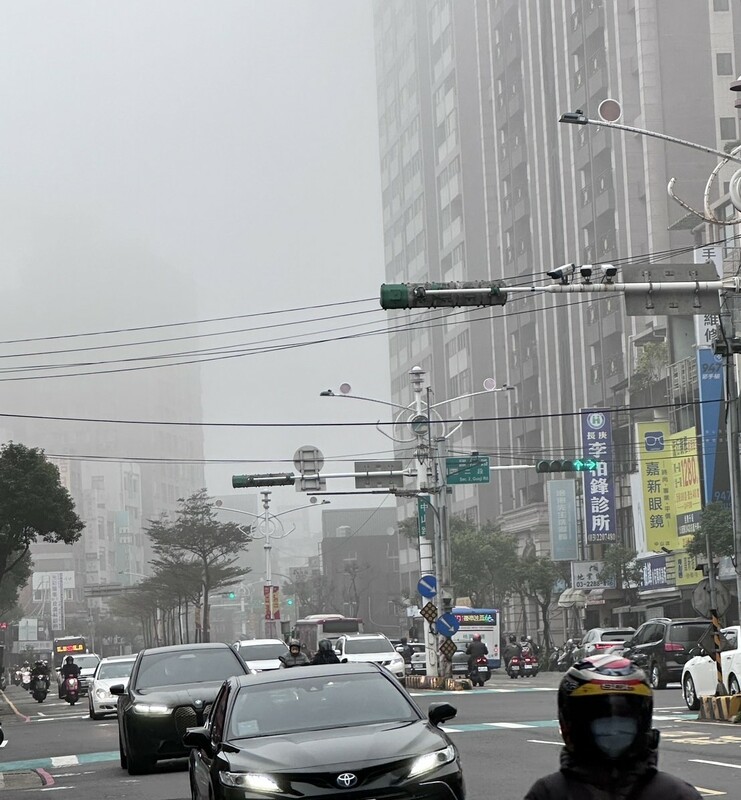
662, 646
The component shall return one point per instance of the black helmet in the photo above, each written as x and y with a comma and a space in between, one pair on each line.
38, 663
69, 660
605, 706
325, 644
512, 638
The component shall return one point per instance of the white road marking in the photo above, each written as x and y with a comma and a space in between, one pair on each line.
507, 725
544, 741
64, 761
709, 792
715, 763
4, 742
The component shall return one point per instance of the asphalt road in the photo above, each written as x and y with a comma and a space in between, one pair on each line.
507, 735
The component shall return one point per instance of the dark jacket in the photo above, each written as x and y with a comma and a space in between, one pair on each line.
510, 649
68, 670
476, 649
639, 779
289, 660
325, 657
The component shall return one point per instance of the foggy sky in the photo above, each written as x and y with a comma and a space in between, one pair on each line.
166, 161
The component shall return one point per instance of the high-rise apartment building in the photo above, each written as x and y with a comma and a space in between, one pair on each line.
480, 181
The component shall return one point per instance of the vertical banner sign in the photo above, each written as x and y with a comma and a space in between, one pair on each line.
56, 594
275, 592
685, 479
655, 459
562, 520
714, 448
421, 517
276, 602
599, 487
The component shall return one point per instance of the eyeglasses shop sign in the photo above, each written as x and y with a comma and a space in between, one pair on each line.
586, 575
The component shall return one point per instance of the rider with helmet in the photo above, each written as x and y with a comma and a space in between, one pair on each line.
325, 654
475, 649
294, 658
40, 669
511, 649
69, 670
605, 706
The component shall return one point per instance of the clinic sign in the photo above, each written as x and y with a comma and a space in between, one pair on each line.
599, 486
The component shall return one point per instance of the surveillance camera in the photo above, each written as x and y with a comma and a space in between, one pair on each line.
609, 271
586, 272
562, 273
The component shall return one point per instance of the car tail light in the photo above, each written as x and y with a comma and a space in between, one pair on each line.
670, 647
604, 645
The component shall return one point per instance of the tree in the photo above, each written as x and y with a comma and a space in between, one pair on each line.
15, 579
484, 563
651, 365
536, 576
717, 523
201, 539
33, 505
622, 569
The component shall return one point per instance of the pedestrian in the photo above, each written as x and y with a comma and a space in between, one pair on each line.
605, 708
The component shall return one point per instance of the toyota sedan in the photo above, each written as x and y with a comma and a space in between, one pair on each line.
348, 729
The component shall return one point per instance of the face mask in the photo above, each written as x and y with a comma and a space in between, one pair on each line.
614, 735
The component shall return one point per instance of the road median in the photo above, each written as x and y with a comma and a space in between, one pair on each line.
726, 708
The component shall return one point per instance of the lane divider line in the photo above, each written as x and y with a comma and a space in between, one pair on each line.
715, 763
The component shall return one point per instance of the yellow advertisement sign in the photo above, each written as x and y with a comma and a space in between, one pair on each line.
656, 468
686, 492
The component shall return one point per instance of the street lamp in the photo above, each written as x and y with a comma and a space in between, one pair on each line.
268, 526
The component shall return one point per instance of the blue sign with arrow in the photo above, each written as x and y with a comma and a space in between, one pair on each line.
447, 624
427, 586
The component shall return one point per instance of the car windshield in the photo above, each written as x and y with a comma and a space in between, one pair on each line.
86, 662
261, 652
359, 646
616, 636
688, 633
115, 669
182, 666
312, 703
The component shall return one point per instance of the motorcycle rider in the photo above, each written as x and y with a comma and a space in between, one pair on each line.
325, 654
295, 657
405, 650
40, 669
534, 649
605, 705
69, 670
475, 649
511, 649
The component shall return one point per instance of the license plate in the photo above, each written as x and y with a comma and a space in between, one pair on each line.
483, 669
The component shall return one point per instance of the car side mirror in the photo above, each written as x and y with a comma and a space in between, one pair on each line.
441, 712
118, 689
197, 737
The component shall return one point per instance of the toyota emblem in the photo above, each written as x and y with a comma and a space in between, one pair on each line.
347, 780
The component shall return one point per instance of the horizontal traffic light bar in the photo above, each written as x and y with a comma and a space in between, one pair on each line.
567, 465
443, 295
265, 479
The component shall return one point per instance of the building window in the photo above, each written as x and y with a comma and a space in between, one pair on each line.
724, 64
720, 5
727, 128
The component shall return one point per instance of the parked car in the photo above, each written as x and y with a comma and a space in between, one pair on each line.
171, 689
662, 647
356, 648
700, 675
115, 669
598, 641
345, 730
262, 654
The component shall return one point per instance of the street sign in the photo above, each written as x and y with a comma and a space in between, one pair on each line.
447, 625
701, 598
429, 612
308, 459
470, 469
448, 648
427, 586
652, 303
371, 481
421, 516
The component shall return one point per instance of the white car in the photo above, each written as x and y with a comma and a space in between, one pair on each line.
699, 675
261, 655
374, 647
109, 671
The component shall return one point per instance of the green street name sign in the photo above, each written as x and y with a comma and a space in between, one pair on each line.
471, 469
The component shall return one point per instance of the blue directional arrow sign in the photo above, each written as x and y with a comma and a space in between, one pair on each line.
427, 586
447, 624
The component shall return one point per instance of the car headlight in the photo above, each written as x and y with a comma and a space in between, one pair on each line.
102, 694
430, 761
255, 781
150, 708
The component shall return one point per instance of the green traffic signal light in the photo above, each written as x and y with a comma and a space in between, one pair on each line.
232, 595
443, 295
289, 601
567, 465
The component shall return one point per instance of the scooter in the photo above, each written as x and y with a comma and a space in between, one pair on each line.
40, 688
515, 667
480, 672
26, 679
16, 677
71, 690
529, 666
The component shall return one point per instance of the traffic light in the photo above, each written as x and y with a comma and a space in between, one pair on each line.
443, 295
567, 465
289, 601
266, 479
232, 595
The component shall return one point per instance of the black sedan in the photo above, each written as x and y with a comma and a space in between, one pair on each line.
348, 730
170, 690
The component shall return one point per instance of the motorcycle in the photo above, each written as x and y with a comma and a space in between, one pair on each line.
26, 679
71, 690
16, 677
515, 667
530, 665
40, 688
480, 672
553, 659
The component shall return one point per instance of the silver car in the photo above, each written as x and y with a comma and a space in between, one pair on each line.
110, 671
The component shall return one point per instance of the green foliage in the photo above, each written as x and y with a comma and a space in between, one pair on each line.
717, 523
14, 580
651, 365
33, 506
621, 567
484, 563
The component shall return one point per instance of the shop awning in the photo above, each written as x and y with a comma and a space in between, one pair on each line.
571, 598
598, 597
658, 597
